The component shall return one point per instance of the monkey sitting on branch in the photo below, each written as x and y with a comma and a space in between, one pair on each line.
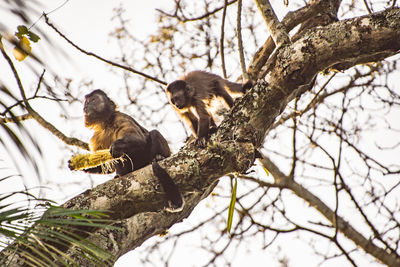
191, 97
127, 139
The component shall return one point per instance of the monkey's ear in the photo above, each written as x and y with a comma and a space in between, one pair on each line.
190, 90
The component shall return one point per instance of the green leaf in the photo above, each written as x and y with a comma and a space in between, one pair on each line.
231, 207
22, 30
33, 37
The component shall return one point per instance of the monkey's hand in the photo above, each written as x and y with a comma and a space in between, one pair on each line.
246, 86
118, 148
201, 142
71, 166
212, 129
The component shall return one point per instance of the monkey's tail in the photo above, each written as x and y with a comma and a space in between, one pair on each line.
175, 199
233, 87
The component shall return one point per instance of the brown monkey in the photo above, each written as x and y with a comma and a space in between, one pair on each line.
124, 136
191, 96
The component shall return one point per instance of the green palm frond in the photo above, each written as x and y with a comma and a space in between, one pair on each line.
42, 233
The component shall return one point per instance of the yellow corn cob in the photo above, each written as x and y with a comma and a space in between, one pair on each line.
90, 160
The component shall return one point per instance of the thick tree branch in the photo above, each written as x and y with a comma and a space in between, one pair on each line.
250, 118
352, 42
291, 20
140, 227
139, 192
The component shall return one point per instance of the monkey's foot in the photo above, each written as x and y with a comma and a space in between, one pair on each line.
174, 208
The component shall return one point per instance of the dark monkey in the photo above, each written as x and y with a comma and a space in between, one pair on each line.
191, 96
124, 136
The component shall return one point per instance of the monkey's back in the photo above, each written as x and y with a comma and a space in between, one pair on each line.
205, 83
209, 84
121, 125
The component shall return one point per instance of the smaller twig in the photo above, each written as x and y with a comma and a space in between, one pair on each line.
245, 76
45, 124
185, 19
316, 99
294, 156
367, 7
221, 41
276, 29
39, 83
351, 195
260, 182
51, 11
21, 102
16, 119
343, 226
101, 58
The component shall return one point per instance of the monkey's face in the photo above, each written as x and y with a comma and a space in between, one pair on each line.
179, 99
94, 105
178, 94
97, 107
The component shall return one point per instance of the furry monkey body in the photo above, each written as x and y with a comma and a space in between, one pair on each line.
192, 94
124, 136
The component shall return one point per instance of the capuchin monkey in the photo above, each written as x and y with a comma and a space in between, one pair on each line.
191, 97
125, 137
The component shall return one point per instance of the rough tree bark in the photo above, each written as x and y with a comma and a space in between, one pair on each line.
136, 200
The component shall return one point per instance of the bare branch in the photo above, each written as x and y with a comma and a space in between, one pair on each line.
45, 124
240, 43
367, 7
294, 141
183, 18
101, 58
221, 41
276, 29
16, 118
391, 259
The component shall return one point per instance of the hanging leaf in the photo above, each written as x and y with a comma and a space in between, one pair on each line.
24, 31
231, 207
23, 48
